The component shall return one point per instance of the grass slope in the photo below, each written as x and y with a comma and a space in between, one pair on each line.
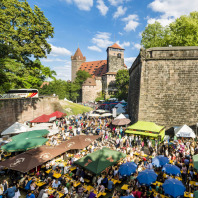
74, 108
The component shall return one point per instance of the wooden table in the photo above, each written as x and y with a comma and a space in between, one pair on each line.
40, 183
194, 183
187, 194
125, 187
48, 171
115, 181
88, 188
57, 175
72, 168
76, 184
159, 183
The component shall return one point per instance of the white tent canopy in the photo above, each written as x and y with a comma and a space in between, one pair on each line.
184, 131
106, 114
94, 115
41, 126
15, 128
121, 116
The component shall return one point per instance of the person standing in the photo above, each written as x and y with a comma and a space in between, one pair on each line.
10, 192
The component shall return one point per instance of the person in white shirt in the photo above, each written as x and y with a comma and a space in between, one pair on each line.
45, 194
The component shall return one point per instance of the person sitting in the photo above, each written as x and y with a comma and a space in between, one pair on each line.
105, 182
55, 183
110, 185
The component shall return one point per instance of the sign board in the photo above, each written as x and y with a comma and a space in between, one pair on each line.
114, 112
52, 119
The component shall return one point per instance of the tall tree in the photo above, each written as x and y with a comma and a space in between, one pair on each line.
182, 32
23, 36
122, 84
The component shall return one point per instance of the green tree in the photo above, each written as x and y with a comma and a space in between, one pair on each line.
23, 37
155, 35
122, 84
182, 32
81, 77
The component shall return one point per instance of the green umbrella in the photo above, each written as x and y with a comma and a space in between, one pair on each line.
31, 134
196, 194
195, 161
24, 144
98, 161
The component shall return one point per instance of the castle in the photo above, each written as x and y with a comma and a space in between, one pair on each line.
164, 86
102, 72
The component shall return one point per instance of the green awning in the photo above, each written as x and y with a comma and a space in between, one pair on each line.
195, 161
30, 134
98, 161
146, 126
24, 144
162, 133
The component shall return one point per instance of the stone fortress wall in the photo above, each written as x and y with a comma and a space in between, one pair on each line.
164, 86
21, 110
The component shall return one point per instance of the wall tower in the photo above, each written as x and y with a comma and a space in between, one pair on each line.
115, 58
76, 62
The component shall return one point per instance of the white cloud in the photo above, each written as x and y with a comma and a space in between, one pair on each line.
120, 33
124, 44
102, 40
171, 9
94, 48
140, 34
102, 7
115, 2
81, 4
131, 22
59, 51
119, 12
53, 60
129, 61
137, 46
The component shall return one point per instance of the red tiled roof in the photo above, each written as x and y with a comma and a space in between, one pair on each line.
78, 54
112, 73
116, 46
90, 82
95, 68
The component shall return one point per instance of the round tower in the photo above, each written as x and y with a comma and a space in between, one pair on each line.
76, 60
115, 58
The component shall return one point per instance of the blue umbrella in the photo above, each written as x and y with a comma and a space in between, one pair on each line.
160, 161
174, 187
171, 169
130, 196
127, 168
147, 177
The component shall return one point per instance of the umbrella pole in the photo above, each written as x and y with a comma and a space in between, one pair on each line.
36, 168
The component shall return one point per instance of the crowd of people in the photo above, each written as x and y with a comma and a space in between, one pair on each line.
74, 181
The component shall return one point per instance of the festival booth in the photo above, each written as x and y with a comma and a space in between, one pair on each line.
184, 131
149, 129
121, 120
57, 114
15, 129
98, 161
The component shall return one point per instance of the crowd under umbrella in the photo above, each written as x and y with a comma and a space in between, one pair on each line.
171, 169
24, 144
173, 187
160, 161
147, 177
127, 168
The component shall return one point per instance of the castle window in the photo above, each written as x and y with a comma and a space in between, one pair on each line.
119, 55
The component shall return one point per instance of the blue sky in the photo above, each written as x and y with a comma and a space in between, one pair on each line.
93, 25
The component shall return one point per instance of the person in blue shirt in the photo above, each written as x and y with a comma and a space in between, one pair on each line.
27, 187
30, 195
110, 185
10, 192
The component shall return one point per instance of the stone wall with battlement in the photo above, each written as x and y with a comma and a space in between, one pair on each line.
164, 86
21, 110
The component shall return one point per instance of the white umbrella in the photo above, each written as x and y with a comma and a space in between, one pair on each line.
119, 105
15, 128
52, 132
184, 131
106, 114
120, 110
121, 116
100, 111
94, 115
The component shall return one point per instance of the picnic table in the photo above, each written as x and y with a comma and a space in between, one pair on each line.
125, 187
188, 194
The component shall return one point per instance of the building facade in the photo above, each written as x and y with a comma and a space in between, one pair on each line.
164, 86
102, 72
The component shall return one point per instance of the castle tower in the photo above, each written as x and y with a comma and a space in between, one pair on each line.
115, 58
76, 62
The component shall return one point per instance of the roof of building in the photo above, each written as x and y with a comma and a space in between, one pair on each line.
111, 73
90, 82
78, 54
116, 46
95, 68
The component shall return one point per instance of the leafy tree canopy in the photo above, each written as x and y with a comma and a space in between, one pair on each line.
122, 84
182, 32
81, 77
23, 34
